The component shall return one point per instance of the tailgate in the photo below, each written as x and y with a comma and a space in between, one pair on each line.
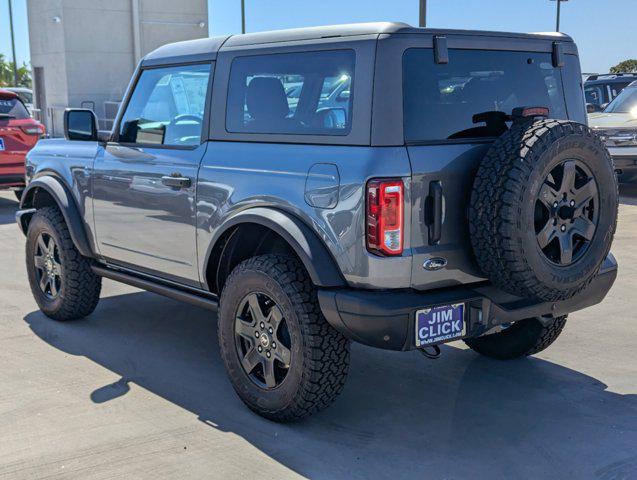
449, 169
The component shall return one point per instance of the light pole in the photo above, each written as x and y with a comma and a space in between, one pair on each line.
15, 64
243, 16
557, 20
422, 20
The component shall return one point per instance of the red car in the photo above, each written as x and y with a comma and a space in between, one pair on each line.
18, 134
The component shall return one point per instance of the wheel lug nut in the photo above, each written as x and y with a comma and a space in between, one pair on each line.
260, 348
267, 354
554, 204
572, 204
273, 344
270, 330
262, 325
256, 334
563, 228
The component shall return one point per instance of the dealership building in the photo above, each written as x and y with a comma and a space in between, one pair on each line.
83, 52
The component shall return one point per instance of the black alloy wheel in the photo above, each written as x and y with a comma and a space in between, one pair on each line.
566, 212
48, 267
262, 340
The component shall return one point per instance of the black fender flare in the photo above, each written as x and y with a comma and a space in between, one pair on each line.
312, 252
65, 202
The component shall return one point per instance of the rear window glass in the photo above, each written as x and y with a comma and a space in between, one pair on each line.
459, 99
292, 93
12, 108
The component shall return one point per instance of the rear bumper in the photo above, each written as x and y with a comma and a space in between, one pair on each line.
386, 319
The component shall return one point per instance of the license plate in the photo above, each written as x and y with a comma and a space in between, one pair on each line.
1, 144
439, 324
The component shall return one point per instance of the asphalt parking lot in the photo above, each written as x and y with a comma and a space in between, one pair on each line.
137, 390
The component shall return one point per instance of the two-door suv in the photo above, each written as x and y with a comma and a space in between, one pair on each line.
395, 186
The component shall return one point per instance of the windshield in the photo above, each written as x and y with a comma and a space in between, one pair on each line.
626, 102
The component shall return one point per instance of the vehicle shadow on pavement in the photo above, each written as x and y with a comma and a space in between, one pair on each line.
8, 207
400, 416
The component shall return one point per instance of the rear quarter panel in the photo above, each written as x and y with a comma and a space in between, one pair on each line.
235, 176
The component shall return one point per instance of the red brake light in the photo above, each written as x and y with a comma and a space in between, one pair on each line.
35, 129
385, 216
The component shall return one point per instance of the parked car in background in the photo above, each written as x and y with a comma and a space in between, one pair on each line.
18, 134
26, 95
617, 127
600, 90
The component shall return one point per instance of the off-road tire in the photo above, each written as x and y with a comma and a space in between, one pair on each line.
80, 287
523, 338
319, 354
501, 213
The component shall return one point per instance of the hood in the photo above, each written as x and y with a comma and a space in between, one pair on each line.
612, 120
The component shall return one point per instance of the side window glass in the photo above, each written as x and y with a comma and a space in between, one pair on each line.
167, 107
306, 93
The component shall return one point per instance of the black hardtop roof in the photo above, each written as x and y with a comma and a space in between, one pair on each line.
208, 47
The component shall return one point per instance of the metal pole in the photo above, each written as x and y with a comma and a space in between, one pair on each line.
15, 64
243, 16
422, 21
557, 23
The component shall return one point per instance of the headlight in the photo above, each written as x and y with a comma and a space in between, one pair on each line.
618, 138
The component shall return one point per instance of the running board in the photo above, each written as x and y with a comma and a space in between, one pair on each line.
204, 300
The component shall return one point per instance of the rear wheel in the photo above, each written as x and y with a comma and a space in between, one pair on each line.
284, 360
523, 338
61, 279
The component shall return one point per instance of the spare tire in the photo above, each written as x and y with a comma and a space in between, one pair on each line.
543, 209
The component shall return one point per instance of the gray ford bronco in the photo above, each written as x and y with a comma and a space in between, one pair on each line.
395, 186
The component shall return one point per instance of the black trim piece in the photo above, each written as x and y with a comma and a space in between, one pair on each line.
441, 52
66, 203
198, 298
434, 212
557, 55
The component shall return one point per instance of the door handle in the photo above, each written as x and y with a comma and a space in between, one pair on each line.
175, 180
434, 212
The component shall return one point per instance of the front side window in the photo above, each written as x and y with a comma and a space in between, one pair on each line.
467, 97
167, 107
12, 109
292, 93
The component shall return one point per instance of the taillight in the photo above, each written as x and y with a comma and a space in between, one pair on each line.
37, 129
385, 216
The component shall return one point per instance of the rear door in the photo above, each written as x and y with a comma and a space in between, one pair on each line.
452, 113
144, 182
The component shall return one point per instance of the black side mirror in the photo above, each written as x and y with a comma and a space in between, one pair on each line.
80, 124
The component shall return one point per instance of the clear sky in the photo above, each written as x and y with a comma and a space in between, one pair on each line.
603, 29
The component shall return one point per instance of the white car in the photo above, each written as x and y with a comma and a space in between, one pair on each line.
617, 126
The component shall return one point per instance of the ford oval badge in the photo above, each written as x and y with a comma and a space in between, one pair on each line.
435, 263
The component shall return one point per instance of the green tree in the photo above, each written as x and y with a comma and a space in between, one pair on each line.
6, 74
627, 66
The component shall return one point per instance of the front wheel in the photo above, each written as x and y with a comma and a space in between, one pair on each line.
284, 360
523, 338
61, 279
